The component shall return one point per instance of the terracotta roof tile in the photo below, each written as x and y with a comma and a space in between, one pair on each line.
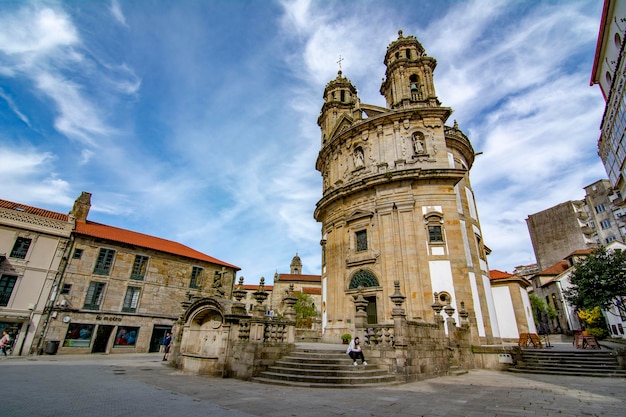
299, 277
555, 269
115, 234
497, 274
253, 287
313, 291
33, 210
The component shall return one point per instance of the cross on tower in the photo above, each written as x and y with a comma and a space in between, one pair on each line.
339, 62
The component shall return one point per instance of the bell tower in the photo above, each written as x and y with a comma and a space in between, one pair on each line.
408, 80
340, 109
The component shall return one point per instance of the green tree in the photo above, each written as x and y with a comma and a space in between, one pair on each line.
598, 280
541, 308
305, 310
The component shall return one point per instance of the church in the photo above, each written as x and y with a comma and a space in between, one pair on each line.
397, 203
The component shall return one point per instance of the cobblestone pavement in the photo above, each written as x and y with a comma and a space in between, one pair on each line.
142, 385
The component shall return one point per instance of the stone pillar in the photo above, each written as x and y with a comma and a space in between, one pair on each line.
360, 317
399, 316
290, 315
238, 308
260, 296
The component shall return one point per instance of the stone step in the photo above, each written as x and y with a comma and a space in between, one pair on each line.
323, 384
320, 379
359, 371
325, 365
571, 372
330, 368
580, 363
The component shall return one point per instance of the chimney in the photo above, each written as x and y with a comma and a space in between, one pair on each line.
81, 207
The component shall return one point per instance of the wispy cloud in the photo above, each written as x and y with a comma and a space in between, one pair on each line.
14, 107
116, 11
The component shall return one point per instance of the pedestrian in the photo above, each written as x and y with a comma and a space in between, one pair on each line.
355, 352
5, 342
167, 342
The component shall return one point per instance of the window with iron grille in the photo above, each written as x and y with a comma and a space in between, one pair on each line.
361, 240
131, 300
94, 297
20, 248
78, 253
104, 262
196, 277
7, 282
139, 267
435, 234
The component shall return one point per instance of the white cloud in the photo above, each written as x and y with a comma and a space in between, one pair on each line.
28, 177
116, 11
35, 30
14, 107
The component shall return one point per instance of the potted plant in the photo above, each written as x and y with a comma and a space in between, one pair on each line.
345, 338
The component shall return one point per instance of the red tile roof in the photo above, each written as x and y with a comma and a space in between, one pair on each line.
313, 291
33, 210
497, 274
299, 277
255, 287
115, 234
555, 269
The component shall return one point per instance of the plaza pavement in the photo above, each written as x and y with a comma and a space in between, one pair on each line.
142, 385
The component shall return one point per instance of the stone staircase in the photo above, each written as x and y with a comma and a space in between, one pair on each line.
600, 363
324, 368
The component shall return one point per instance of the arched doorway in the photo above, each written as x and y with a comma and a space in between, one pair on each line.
367, 281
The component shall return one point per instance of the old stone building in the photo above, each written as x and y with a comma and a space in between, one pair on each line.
32, 244
302, 283
397, 202
120, 290
596, 220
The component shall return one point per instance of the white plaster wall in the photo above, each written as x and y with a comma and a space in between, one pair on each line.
528, 311
477, 309
441, 280
503, 304
491, 306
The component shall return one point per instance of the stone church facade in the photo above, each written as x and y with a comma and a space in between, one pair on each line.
397, 203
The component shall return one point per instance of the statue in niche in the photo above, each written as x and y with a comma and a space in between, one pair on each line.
217, 282
418, 143
358, 157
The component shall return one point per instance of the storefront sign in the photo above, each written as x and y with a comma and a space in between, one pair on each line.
108, 318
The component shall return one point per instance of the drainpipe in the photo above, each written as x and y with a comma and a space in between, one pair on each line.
54, 292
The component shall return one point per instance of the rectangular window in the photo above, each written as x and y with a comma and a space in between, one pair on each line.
104, 262
78, 335
434, 234
196, 277
66, 288
611, 239
7, 282
131, 300
78, 253
126, 336
94, 295
599, 208
139, 267
20, 248
605, 224
361, 240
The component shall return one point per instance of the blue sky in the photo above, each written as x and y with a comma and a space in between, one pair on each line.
195, 121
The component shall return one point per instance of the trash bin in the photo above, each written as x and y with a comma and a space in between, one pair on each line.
51, 347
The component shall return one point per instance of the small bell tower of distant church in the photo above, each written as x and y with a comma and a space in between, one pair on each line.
296, 265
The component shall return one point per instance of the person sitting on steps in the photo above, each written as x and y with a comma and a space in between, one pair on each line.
355, 352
